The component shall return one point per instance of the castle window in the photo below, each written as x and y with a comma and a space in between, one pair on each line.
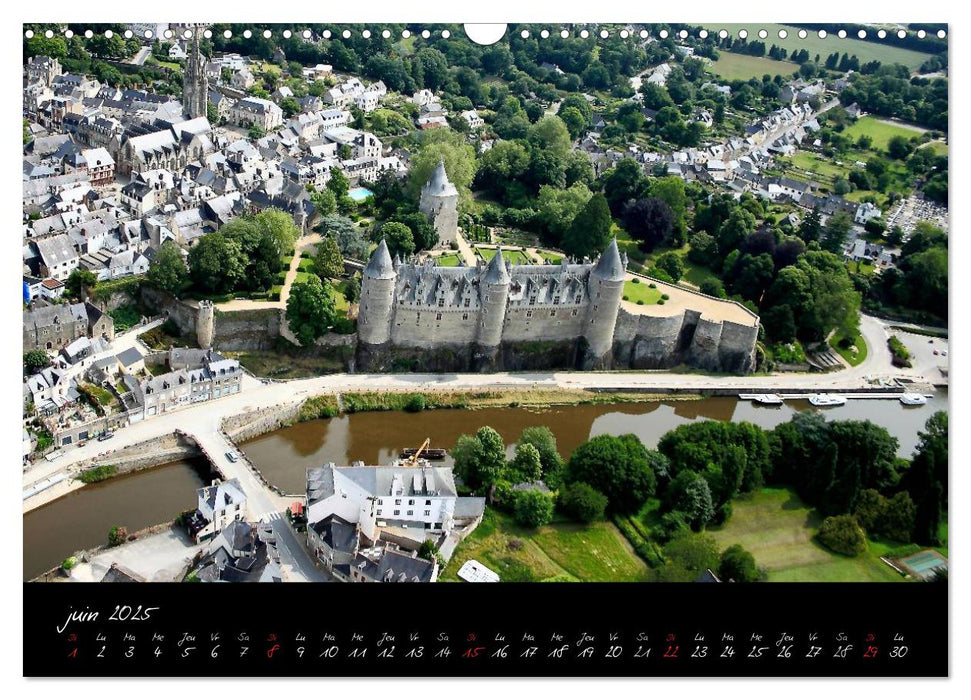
441, 302
427, 513
552, 313
438, 316
577, 299
574, 312
556, 299
465, 317
467, 301
397, 512
529, 313
532, 300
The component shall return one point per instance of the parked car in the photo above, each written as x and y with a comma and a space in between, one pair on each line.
105, 436
232, 456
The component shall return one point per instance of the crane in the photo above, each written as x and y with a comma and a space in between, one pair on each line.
413, 460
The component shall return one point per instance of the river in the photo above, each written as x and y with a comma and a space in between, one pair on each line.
375, 438
82, 518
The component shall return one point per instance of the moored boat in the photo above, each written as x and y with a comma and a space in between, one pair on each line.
911, 399
768, 399
826, 400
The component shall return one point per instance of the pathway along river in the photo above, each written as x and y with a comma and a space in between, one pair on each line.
82, 519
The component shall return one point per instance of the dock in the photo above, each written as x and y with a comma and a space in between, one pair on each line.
845, 395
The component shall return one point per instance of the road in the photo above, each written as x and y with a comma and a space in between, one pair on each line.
122, 342
206, 418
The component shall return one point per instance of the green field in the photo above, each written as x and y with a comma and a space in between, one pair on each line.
778, 528
880, 131
736, 66
864, 50
641, 291
939, 147
563, 551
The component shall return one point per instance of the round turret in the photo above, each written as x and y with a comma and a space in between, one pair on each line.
377, 298
494, 289
605, 289
205, 323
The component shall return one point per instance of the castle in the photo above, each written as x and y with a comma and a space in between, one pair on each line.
421, 305
439, 202
498, 316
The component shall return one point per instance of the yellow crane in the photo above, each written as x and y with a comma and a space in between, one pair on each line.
413, 460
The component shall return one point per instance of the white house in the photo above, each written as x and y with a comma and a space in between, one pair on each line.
218, 505
865, 212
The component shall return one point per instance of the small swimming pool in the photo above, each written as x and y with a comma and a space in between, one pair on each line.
359, 194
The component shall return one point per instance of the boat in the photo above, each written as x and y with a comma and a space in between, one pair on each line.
910, 399
768, 399
826, 400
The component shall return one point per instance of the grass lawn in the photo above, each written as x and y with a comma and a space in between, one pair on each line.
302, 277
562, 550
855, 353
641, 291
513, 257
450, 260
778, 528
305, 265
939, 147
736, 66
864, 50
337, 292
880, 131
554, 258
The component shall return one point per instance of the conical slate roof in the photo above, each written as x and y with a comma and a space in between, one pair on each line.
439, 183
380, 265
609, 266
497, 272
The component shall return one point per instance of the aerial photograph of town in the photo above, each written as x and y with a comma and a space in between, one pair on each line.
380, 303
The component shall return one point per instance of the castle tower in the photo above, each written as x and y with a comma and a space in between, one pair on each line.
195, 84
377, 298
205, 323
605, 288
440, 202
494, 289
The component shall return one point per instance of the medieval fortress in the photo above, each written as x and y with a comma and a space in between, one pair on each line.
575, 306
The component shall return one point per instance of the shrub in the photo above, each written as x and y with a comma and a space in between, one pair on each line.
583, 502
626, 298
533, 508
69, 563
93, 476
640, 302
660, 302
636, 281
318, 407
665, 297
652, 285
899, 351
842, 534
737, 565
415, 403
117, 535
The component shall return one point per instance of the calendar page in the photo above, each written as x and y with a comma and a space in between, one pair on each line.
621, 348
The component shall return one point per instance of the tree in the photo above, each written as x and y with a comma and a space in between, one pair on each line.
399, 238
338, 183
835, 232
480, 459
589, 233
842, 534
574, 121
899, 147
557, 208
692, 554
690, 495
550, 134
352, 290
35, 361
168, 272
737, 564
583, 502
618, 467
544, 441
624, 182
811, 228
325, 201
78, 280
328, 263
428, 550
216, 263
649, 221
672, 264
927, 479
311, 310
350, 238
525, 467
533, 508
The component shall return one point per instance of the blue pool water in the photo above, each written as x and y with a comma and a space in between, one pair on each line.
359, 194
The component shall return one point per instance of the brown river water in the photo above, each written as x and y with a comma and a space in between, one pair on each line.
82, 519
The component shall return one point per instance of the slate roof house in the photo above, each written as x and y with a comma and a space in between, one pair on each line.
53, 327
